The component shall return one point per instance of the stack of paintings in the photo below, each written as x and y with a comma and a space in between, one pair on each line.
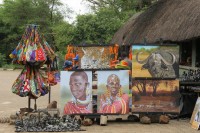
195, 119
154, 72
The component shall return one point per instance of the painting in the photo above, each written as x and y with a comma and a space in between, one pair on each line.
155, 96
195, 119
155, 61
95, 57
76, 92
113, 92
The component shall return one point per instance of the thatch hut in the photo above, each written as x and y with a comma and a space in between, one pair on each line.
173, 21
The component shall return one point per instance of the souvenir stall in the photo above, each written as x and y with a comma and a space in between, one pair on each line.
33, 52
153, 87
155, 84
94, 66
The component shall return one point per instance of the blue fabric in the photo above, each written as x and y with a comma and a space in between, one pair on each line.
67, 64
76, 58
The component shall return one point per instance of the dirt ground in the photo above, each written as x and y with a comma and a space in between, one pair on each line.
10, 103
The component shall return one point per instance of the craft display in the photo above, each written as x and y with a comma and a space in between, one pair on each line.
32, 48
44, 122
76, 92
155, 61
54, 74
32, 51
71, 59
155, 96
113, 92
195, 119
30, 82
191, 76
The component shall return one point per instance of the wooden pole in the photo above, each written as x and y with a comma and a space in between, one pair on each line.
29, 103
35, 105
49, 83
49, 93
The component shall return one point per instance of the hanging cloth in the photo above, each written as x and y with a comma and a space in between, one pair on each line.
113, 55
30, 82
70, 53
32, 48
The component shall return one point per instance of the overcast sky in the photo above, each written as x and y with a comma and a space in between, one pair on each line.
78, 6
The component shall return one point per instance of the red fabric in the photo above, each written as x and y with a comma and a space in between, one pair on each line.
71, 108
40, 56
119, 106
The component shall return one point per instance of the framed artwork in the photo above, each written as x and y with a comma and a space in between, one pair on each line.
155, 96
113, 92
195, 119
76, 92
94, 57
155, 61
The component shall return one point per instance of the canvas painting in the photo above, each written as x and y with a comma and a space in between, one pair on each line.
195, 119
76, 92
155, 96
95, 57
113, 92
155, 61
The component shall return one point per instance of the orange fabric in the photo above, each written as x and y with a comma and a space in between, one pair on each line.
114, 50
113, 63
130, 54
111, 50
70, 53
124, 63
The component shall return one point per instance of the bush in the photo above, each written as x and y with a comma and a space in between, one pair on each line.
13, 66
61, 59
2, 60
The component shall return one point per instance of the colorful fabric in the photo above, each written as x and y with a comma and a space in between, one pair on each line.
30, 83
123, 65
32, 48
118, 106
72, 108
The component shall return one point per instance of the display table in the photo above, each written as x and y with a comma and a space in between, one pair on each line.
188, 97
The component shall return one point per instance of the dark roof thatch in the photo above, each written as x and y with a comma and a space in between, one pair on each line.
171, 20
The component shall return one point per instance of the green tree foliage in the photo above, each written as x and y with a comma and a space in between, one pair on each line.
108, 17
16, 14
2, 60
63, 33
97, 28
120, 5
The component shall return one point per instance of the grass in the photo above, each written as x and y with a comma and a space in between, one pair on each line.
12, 66
136, 68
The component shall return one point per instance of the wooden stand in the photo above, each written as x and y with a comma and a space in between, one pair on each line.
29, 104
103, 120
49, 94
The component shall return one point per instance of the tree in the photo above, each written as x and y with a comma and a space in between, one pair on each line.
97, 28
16, 14
141, 86
108, 17
2, 60
155, 84
121, 5
63, 33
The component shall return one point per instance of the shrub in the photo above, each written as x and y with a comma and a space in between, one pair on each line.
2, 60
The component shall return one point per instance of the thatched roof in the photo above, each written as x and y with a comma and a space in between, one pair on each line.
171, 20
